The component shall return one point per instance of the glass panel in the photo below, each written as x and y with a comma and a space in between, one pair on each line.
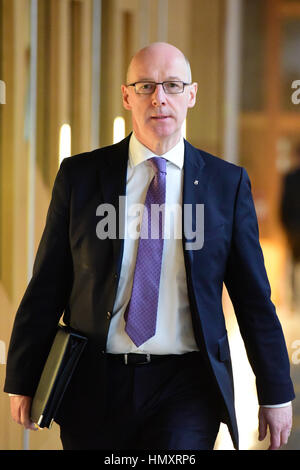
290, 63
252, 65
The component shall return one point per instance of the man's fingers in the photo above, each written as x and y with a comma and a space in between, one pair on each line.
279, 421
15, 412
25, 419
278, 438
15, 409
275, 438
262, 427
20, 411
285, 436
25, 416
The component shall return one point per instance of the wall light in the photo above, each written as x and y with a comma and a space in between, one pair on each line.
119, 129
64, 142
2, 92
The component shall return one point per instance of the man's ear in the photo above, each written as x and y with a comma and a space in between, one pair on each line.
125, 95
192, 95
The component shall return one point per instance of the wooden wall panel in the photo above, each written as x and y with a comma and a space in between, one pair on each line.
13, 197
205, 123
81, 75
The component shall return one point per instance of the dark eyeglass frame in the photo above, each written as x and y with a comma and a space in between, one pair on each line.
184, 84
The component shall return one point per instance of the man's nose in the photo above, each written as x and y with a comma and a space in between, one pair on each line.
159, 96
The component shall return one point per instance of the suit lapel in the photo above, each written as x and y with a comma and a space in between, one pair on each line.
195, 184
112, 174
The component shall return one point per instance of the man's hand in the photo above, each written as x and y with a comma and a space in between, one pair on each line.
20, 411
279, 421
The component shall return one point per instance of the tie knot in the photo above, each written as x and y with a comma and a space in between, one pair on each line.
159, 164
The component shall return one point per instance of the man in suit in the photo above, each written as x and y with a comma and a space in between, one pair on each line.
156, 372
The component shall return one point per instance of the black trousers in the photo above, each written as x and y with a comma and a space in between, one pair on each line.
171, 404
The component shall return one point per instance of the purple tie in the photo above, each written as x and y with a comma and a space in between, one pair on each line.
141, 311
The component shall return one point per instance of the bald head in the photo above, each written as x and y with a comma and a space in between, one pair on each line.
158, 51
157, 117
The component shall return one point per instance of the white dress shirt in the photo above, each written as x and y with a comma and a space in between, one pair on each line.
174, 330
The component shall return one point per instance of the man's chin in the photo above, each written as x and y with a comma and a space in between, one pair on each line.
163, 130
152, 134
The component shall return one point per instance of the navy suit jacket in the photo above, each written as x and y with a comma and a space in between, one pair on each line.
77, 273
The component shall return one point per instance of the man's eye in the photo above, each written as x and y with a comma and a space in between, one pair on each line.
172, 85
147, 86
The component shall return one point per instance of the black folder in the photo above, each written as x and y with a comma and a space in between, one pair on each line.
57, 372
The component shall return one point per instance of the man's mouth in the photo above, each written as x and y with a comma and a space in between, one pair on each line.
160, 117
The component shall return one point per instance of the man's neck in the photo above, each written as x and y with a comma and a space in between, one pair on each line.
159, 146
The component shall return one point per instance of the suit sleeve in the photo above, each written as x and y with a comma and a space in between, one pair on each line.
248, 286
45, 298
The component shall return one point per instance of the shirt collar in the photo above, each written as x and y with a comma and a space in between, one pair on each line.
138, 153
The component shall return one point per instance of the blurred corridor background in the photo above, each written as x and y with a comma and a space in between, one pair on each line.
62, 63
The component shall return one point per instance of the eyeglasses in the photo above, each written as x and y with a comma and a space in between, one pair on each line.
170, 87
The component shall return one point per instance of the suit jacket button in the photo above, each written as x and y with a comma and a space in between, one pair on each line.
108, 315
